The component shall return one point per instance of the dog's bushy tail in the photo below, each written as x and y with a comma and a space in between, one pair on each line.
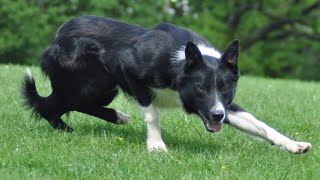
31, 98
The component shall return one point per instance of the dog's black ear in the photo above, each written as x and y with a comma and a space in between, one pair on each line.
231, 55
193, 55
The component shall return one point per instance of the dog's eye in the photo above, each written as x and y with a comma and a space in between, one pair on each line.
201, 89
225, 90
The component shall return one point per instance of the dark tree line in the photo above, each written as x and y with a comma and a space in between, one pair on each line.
278, 38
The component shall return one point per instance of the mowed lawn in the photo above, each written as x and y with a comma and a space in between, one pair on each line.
30, 149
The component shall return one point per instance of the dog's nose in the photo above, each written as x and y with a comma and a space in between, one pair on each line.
217, 115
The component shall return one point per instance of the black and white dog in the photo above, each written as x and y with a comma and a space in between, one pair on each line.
92, 57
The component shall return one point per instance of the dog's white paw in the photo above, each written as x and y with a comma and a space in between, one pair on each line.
122, 118
157, 146
297, 147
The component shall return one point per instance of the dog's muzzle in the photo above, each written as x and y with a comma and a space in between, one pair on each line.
213, 124
217, 115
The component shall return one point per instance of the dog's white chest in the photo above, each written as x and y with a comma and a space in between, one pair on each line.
166, 98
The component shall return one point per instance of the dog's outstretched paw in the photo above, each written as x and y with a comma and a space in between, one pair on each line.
157, 146
298, 147
302, 147
122, 118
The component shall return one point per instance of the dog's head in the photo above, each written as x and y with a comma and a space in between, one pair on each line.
208, 84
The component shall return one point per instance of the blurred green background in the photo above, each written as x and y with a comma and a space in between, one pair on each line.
279, 38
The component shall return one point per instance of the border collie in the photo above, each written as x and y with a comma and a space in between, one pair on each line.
91, 58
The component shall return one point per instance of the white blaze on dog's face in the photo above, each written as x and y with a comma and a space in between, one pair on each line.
218, 113
208, 85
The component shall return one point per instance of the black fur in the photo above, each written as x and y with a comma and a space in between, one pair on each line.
92, 57
32, 100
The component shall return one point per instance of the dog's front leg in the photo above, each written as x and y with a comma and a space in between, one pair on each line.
154, 139
246, 122
143, 95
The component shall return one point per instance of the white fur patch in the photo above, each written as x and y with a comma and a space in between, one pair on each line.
122, 117
179, 54
219, 107
209, 51
154, 139
28, 73
205, 51
248, 123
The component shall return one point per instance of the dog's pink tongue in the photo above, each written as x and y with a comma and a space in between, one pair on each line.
215, 126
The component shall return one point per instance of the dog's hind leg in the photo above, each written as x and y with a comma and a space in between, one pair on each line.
53, 115
94, 107
246, 122
51, 108
107, 114
57, 123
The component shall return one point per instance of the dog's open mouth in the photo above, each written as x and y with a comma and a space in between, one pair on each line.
211, 126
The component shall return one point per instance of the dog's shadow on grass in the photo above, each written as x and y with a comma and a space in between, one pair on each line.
192, 143
136, 134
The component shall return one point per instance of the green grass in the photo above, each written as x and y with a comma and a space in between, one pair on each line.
30, 149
